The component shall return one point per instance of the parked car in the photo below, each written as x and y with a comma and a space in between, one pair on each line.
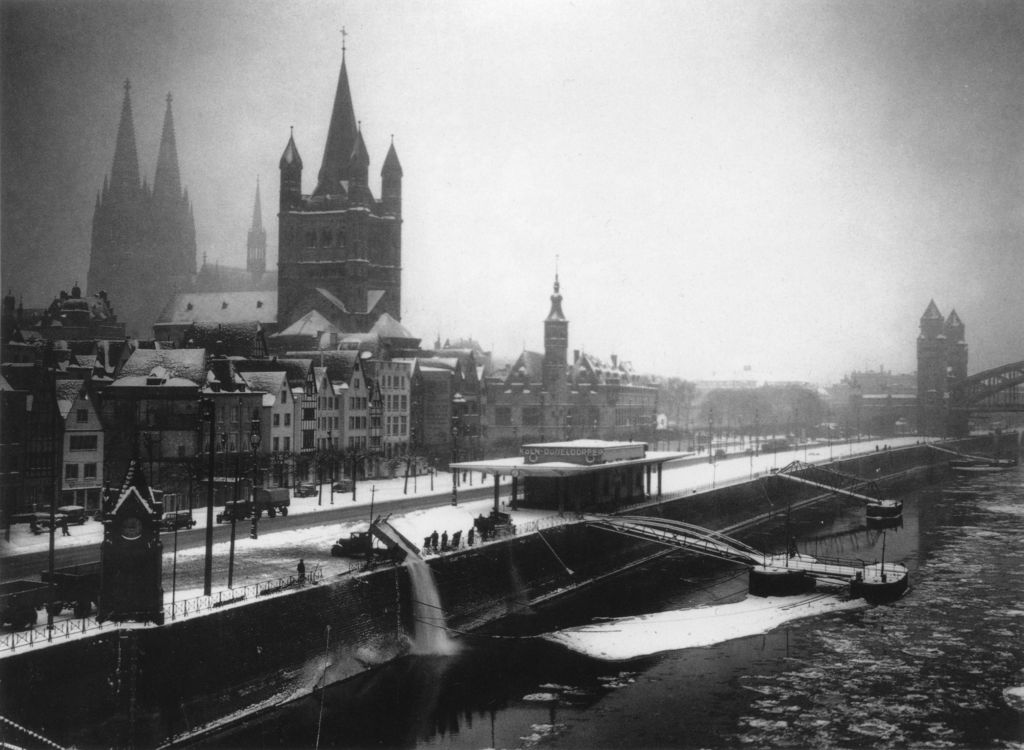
74, 513
305, 490
343, 485
176, 519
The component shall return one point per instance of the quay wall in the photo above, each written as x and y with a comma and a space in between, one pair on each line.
141, 686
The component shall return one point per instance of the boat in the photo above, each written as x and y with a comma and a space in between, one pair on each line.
884, 508
880, 583
968, 466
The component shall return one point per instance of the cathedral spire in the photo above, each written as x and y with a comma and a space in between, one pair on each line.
167, 180
341, 138
124, 174
256, 256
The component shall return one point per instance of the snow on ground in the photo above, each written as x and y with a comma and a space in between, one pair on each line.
692, 477
633, 637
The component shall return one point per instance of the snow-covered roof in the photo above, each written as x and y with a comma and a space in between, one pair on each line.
187, 365
220, 307
310, 324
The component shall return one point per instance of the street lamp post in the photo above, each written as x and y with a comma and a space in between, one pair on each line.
457, 402
254, 444
208, 413
330, 449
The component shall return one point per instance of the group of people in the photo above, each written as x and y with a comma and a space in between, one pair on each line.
434, 543
62, 524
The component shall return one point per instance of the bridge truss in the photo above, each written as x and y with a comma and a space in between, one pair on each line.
1000, 389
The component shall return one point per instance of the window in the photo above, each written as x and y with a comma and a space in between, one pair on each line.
502, 416
307, 439
276, 444
287, 420
277, 420
405, 403
71, 471
81, 415
404, 426
287, 444
284, 397
309, 415
89, 471
531, 415
83, 442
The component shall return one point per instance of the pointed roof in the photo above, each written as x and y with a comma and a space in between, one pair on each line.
167, 180
391, 163
290, 157
124, 174
556, 313
309, 325
135, 485
932, 313
387, 327
341, 138
953, 321
257, 212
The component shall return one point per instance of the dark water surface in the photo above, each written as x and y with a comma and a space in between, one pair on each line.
928, 671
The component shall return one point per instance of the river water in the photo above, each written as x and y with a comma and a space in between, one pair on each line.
941, 668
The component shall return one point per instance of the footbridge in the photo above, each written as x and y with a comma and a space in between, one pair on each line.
702, 541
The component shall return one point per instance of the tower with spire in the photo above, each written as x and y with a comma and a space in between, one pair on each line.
143, 239
339, 247
256, 247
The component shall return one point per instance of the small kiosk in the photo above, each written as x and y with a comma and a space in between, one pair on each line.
595, 476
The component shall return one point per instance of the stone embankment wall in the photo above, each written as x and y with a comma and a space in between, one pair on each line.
142, 686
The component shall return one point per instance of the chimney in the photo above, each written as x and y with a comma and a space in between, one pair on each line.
615, 360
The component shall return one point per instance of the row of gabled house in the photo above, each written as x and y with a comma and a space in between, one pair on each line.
336, 404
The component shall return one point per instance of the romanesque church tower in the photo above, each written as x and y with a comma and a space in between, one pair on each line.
143, 239
941, 361
339, 248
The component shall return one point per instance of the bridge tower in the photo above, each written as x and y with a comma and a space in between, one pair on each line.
941, 360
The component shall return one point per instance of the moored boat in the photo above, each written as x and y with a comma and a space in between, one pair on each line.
884, 508
879, 583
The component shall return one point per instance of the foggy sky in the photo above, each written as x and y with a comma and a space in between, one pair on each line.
779, 185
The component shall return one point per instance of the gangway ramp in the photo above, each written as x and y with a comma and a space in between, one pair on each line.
832, 481
680, 535
872, 580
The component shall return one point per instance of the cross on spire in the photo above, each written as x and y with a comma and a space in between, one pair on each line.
343, 35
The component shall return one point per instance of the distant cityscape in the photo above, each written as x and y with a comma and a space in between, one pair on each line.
307, 373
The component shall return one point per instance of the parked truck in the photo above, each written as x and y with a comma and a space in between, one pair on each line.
269, 501
77, 587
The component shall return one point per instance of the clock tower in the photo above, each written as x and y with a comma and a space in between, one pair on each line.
131, 554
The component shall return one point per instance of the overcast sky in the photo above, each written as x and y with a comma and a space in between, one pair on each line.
781, 185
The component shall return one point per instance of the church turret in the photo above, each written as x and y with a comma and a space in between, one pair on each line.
391, 182
358, 171
342, 137
291, 175
256, 257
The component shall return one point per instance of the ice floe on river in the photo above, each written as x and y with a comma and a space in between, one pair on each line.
633, 637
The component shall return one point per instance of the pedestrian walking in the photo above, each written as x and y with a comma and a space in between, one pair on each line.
433, 541
302, 571
64, 527
472, 533
444, 541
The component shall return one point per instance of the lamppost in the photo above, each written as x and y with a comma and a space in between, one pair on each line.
208, 413
457, 402
254, 444
330, 453
234, 510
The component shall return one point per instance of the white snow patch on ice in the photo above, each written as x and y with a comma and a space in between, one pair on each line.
633, 637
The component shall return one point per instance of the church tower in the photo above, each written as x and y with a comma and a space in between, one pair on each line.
556, 345
339, 248
143, 241
256, 256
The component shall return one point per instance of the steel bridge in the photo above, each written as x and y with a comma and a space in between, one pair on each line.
1000, 389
